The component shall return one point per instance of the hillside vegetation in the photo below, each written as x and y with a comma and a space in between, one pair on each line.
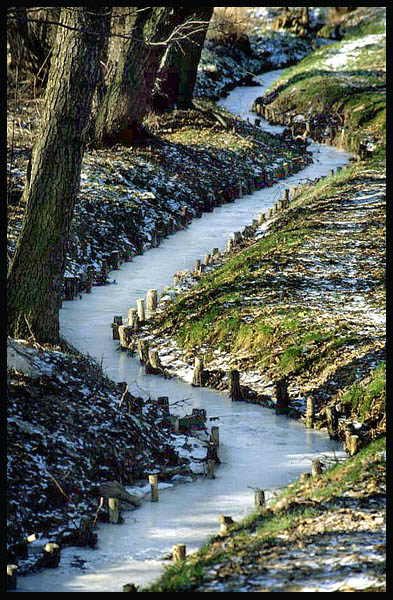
305, 301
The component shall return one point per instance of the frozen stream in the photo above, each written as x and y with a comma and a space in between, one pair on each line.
257, 448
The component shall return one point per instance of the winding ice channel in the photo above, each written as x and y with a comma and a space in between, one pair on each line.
257, 448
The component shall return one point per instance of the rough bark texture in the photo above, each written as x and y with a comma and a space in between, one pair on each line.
176, 78
129, 96
35, 276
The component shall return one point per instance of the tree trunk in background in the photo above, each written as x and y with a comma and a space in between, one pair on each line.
36, 271
31, 42
176, 79
129, 96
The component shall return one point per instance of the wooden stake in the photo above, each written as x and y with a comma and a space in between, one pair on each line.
197, 379
11, 577
140, 303
51, 555
282, 397
316, 467
125, 332
310, 412
133, 320
353, 444
151, 301
235, 391
179, 552
117, 320
143, 351
226, 522
130, 587
210, 468
259, 500
153, 480
113, 507
184, 216
332, 421
215, 435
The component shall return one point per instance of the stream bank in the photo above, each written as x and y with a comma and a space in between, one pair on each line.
378, 483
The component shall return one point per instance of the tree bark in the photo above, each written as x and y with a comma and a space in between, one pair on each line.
36, 271
176, 78
128, 97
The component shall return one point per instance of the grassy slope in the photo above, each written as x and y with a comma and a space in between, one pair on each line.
307, 342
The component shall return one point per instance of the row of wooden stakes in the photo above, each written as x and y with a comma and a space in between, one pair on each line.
74, 285
179, 551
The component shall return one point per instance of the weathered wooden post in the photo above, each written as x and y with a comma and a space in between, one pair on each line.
332, 421
215, 435
310, 412
113, 508
261, 218
286, 197
69, 288
125, 332
197, 267
130, 587
51, 555
215, 253
140, 304
226, 522
184, 216
353, 444
316, 467
210, 468
206, 259
151, 301
114, 258
235, 391
197, 379
230, 245
133, 319
143, 351
117, 320
154, 361
179, 552
237, 236
282, 397
259, 500
153, 480
11, 577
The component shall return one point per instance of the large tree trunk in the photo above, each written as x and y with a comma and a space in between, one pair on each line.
36, 272
129, 96
176, 79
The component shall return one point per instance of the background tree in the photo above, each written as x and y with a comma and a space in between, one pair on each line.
128, 98
34, 282
176, 78
30, 37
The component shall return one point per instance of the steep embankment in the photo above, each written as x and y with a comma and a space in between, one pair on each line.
305, 301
